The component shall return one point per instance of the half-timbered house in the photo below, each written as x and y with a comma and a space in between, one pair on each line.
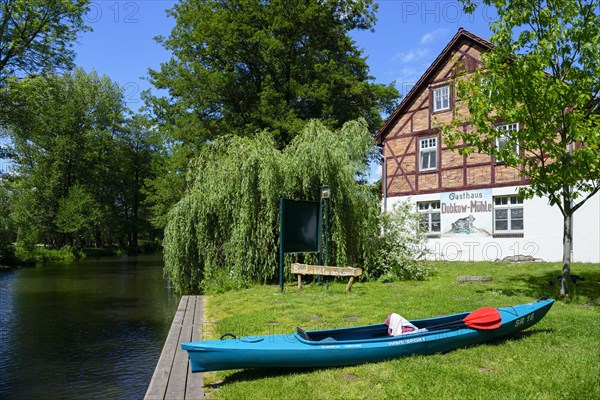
470, 206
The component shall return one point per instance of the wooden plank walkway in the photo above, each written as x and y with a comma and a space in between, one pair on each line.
173, 379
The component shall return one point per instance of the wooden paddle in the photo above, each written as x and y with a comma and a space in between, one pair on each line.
485, 318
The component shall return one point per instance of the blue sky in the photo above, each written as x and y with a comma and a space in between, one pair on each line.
407, 38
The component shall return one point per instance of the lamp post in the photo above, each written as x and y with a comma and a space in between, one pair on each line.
325, 195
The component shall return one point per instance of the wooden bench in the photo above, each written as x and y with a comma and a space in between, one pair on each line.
305, 269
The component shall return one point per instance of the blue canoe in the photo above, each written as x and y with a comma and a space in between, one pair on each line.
357, 345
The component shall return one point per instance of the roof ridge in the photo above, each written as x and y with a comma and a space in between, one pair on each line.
462, 32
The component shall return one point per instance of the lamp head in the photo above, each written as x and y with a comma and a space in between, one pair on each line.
325, 192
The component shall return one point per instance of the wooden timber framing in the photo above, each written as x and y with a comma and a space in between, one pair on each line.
173, 379
321, 270
414, 119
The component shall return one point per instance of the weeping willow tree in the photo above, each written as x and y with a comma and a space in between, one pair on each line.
224, 233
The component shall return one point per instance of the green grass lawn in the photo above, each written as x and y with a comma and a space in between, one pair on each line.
559, 358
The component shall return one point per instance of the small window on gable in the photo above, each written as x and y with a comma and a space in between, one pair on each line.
441, 98
505, 136
428, 153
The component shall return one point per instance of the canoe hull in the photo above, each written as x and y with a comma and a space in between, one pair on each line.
354, 345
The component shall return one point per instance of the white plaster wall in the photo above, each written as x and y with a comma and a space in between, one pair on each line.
586, 231
543, 229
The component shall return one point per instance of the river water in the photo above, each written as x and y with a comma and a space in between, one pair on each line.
91, 329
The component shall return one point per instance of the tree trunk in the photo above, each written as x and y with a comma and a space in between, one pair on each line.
97, 239
567, 247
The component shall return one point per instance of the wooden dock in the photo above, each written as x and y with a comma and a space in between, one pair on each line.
172, 379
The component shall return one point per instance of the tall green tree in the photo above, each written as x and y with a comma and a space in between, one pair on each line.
139, 147
36, 38
168, 179
242, 66
63, 133
36, 35
542, 73
6, 228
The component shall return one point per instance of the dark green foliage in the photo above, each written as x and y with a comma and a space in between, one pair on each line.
138, 149
37, 35
62, 133
6, 229
167, 185
241, 66
77, 211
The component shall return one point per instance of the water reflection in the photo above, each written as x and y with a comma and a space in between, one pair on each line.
90, 329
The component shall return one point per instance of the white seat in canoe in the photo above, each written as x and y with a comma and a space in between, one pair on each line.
397, 325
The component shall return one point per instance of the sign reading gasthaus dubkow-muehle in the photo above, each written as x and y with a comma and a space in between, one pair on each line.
467, 212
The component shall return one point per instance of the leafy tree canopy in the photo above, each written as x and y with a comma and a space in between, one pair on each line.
242, 66
80, 164
36, 35
61, 130
5, 225
543, 74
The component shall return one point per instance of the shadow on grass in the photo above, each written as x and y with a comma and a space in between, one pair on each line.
518, 336
548, 285
252, 374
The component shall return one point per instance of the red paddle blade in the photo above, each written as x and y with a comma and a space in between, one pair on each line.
484, 318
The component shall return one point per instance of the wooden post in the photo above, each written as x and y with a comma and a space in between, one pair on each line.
350, 282
281, 248
299, 281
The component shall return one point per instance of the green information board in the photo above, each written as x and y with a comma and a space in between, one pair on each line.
301, 226
299, 229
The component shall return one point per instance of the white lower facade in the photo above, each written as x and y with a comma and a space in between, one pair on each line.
491, 224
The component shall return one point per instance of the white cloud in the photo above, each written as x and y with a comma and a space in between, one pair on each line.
408, 74
415, 61
412, 55
434, 35
406, 78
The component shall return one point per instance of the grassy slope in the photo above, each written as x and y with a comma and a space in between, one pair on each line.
558, 358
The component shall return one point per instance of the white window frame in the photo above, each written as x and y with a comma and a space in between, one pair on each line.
511, 204
441, 94
428, 145
428, 209
506, 130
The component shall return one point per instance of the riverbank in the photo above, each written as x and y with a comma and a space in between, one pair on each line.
557, 358
18, 257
